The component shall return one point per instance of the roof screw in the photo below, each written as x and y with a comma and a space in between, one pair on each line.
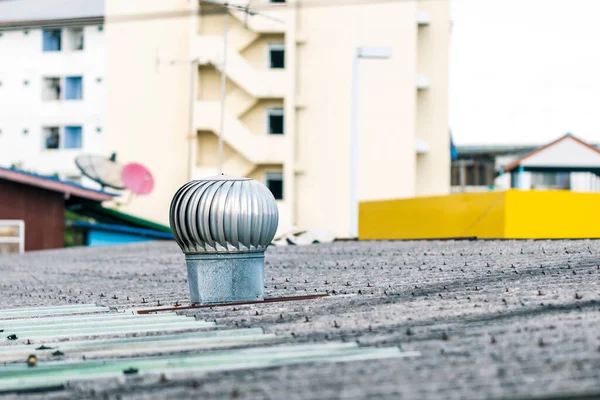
158, 303
144, 301
335, 324
578, 296
102, 295
257, 313
444, 336
541, 343
540, 293
114, 297
409, 332
32, 360
493, 340
130, 371
28, 341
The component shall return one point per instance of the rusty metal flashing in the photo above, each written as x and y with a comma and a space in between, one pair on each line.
240, 303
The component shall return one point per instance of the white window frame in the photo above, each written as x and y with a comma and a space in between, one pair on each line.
278, 176
63, 87
274, 111
61, 82
275, 46
61, 137
20, 239
68, 34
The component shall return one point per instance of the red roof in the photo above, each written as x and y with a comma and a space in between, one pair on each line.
517, 162
54, 184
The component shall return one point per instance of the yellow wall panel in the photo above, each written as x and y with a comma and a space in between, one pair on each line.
552, 214
455, 215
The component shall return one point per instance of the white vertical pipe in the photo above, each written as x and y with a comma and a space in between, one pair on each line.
354, 146
223, 89
192, 133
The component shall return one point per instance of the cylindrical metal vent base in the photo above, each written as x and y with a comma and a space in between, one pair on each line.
226, 277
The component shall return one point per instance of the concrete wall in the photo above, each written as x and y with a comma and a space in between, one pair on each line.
23, 113
386, 116
257, 53
432, 103
147, 96
256, 118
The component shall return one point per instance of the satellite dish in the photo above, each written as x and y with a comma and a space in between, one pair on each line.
137, 178
107, 172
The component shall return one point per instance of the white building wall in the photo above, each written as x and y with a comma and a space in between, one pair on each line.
23, 65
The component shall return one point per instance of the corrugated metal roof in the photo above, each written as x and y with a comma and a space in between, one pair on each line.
122, 229
493, 319
45, 10
116, 217
60, 356
54, 184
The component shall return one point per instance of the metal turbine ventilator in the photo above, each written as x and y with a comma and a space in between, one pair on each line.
223, 225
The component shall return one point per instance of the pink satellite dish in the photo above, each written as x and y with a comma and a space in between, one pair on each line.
137, 178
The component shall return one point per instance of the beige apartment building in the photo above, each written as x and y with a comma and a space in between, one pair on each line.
287, 115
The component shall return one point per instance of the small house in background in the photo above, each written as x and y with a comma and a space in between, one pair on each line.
567, 163
476, 167
39, 212
39, 202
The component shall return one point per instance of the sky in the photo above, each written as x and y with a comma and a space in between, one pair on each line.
524, 71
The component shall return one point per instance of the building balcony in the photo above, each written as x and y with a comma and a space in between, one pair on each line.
256, 148
423, 18
422, 82
259, 83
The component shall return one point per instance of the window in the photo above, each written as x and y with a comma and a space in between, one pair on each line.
275, 121
51, 89
73, 88
51, 137
51, 40
73, 137
276, 55
74, 39
274, 181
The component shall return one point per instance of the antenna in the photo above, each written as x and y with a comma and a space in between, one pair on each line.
105, 171
137, 179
